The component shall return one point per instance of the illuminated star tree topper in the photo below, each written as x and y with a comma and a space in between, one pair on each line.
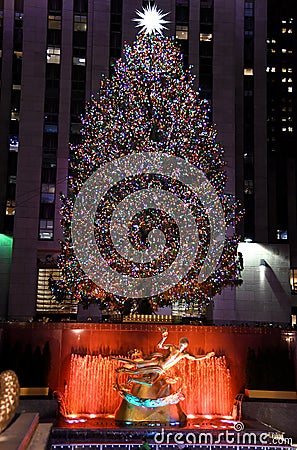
151, 20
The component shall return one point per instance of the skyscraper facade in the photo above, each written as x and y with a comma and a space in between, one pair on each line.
53, 55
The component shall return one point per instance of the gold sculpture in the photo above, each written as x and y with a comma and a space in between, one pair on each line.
9, 397
148, 393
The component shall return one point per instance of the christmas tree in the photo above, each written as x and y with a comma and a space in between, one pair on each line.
148, 107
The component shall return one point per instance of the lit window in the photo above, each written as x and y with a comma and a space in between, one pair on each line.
290, 129
13, 144
290, 89
80, 23
281, 234
79, 61
272, 50
290, 70
284, 80
284, 129
268, 41
16, 87
290, 31
181, 32
248, 187
19, 55
284, 30
14, 115
47, 197
50, 128
284, 21
248, 9
10, 208
284, 119
46, 302
248, 71
293, 280
272, 69
54, 22
53, 55
205, 37
48, 193
46, 229
290, 51
273, 41
267, 69
284, 69
284, 50
12, 179
290, 80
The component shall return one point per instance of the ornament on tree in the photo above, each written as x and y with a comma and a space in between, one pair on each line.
146, 214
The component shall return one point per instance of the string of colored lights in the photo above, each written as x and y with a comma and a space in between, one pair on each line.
148, 105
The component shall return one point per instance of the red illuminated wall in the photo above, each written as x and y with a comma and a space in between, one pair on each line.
66, 338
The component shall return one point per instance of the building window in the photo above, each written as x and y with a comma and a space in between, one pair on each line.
281, 234
248, 71
53, 55
248, 8
10, 208
248, 187
79, 61
80, 6
13, 144
293, 280
46, 301
80, 23
181, 32
48, 193
205, 37
46, 229
14, 115
55, 5
54, 22
50, 128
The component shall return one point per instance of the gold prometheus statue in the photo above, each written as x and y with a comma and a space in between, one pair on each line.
156, 368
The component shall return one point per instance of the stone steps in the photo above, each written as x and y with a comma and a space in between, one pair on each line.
19, 434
